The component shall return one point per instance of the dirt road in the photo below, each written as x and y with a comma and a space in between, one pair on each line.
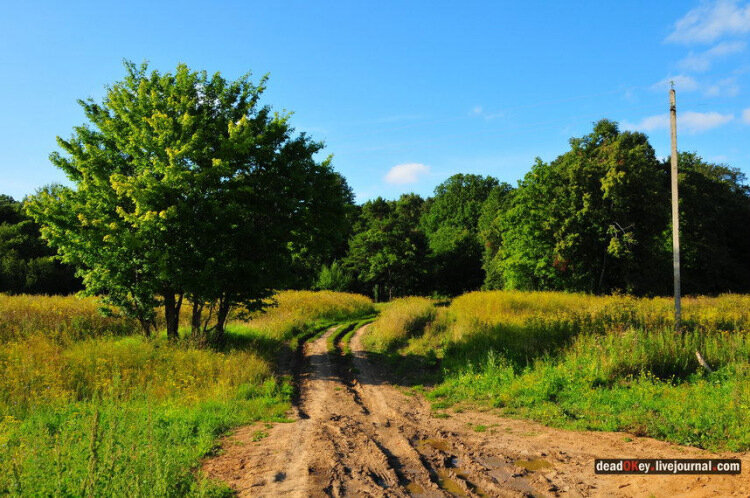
357, 435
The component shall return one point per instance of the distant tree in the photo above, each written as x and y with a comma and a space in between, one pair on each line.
591, 220
185, 187
325, 225
334, 277
450, 222
490, 234
714, 218
387, 253
27, 265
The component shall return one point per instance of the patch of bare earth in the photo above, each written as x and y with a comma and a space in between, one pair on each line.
357, 435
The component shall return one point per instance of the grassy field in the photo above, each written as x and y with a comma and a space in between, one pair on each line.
585, 362
90, 407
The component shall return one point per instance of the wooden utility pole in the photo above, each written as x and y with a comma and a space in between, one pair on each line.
675, 211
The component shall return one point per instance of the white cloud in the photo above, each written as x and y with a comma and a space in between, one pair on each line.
406, 173
711, 20
650, 123
727, 87
746, 115
702, 61
477, 110
681, 82
696, 122
688, 121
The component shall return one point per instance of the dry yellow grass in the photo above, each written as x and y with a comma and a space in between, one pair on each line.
400, 320
57, 316
296, 308
726, 312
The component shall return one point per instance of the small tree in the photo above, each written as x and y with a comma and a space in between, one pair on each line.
333, 277
185, 187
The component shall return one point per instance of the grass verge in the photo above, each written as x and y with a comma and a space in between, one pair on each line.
586, 362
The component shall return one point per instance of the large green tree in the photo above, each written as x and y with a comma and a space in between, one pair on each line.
27, 265
591, 220
388, 251
450, 222
714, 214
184, 186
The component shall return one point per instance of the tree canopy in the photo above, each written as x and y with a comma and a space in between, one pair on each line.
185, 186
388, 250
590, 220
27, 265
450, 223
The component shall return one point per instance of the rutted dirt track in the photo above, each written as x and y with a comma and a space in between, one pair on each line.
357, 435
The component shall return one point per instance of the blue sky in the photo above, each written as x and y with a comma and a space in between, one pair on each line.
404, 94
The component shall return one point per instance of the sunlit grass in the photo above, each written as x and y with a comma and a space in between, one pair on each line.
595, 362
294, 309
401, 319
88, 406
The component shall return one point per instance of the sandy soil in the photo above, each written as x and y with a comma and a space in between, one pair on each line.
357, 435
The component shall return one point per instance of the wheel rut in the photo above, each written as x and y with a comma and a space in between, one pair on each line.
361, 436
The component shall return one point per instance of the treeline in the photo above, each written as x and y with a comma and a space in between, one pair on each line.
596, 219
27, 265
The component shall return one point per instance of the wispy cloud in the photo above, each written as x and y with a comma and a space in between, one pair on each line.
728, 87
480, 111
689, 121
681, 82
702, 61
710, 21
746, 115
406, 173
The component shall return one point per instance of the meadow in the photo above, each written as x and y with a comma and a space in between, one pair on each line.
88, 406
577, 361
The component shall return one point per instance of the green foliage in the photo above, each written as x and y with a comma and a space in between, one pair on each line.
185, 186
714, 209
388, 252
451, 225
490, 233
333, 277
591, 220
27, 265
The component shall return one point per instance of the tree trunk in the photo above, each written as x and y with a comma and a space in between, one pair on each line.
172, 314
221, 318
195, 320
146, 326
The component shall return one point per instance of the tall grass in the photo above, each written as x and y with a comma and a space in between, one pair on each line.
292, 310
608, 363
400, 319
57, 317
88, 406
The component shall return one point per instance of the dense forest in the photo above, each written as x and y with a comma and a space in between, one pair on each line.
596, 220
